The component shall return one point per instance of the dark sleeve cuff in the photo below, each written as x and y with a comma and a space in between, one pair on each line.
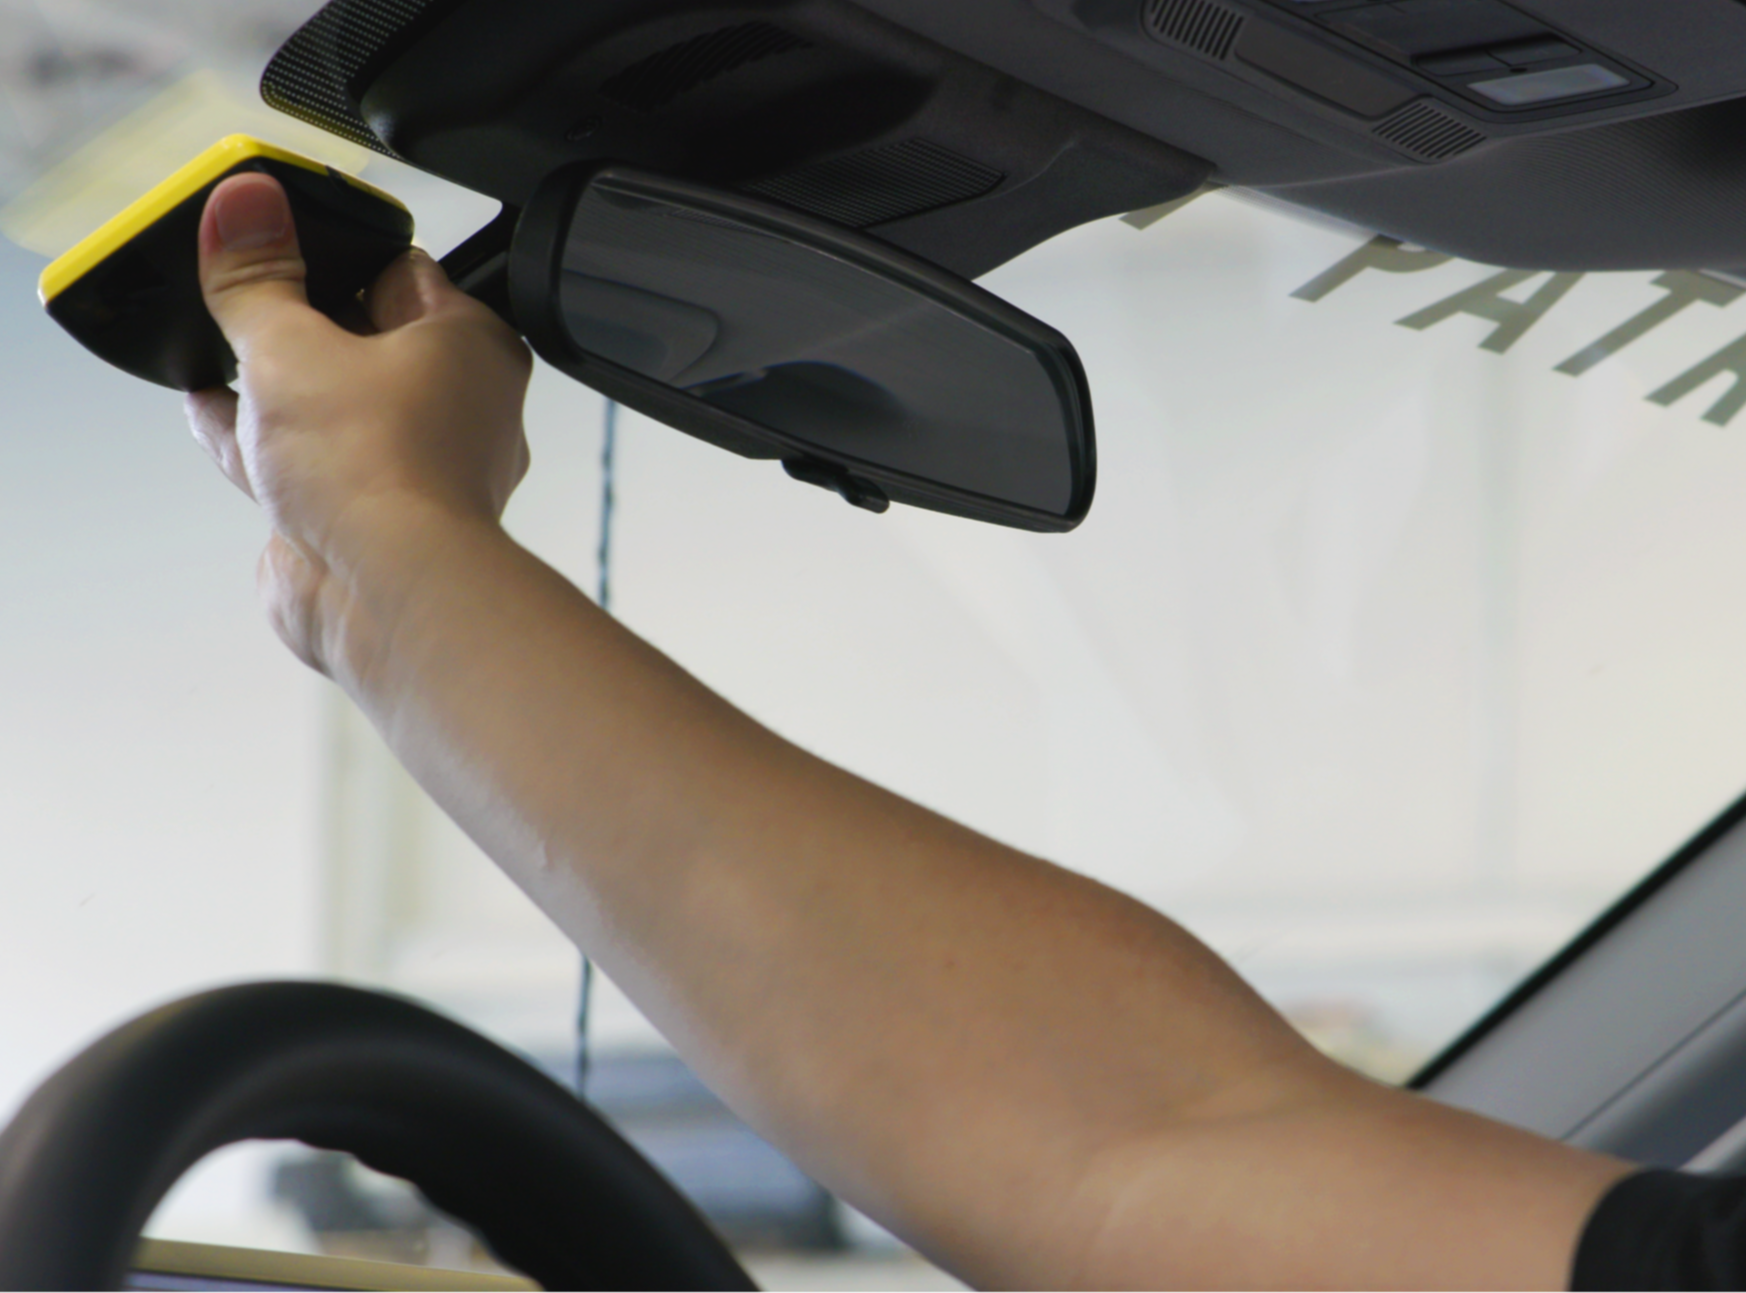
1659, 1229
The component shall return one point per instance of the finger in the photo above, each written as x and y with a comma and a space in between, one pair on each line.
212, 418
251, 267
412, 288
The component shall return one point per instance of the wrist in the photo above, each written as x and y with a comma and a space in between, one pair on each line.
387, 562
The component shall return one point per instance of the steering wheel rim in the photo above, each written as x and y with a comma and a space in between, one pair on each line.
547, 1185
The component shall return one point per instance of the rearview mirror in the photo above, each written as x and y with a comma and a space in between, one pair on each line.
776, 335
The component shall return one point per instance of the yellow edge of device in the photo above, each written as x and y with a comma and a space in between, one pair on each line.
208, 168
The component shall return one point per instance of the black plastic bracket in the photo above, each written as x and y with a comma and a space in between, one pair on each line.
480, 266
827, 475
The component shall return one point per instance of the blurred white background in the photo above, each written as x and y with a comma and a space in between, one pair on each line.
1383, 662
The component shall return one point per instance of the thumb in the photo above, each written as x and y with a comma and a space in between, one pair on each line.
251, 267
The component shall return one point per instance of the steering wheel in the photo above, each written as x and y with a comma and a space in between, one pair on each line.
549, 1187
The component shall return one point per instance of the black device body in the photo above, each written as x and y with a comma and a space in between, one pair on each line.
140, 307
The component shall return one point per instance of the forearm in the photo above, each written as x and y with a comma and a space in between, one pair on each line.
1034, 1078
942, 1027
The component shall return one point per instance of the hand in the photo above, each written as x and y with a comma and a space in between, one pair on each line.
351, 443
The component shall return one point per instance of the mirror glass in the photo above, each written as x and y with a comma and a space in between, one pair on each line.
833, 354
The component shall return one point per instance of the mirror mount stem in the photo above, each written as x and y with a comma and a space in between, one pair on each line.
480, 265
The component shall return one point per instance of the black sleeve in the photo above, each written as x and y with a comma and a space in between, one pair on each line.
1666, 1230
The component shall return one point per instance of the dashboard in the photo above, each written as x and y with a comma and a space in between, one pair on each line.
169, 1264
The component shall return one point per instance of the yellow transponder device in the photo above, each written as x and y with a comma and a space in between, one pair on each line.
130, 293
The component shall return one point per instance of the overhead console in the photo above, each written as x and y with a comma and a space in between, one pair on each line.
1549, 134
1555, 134
1427, 80
817, 104
1495, 58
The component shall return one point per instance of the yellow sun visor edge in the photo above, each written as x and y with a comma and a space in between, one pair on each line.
211, 166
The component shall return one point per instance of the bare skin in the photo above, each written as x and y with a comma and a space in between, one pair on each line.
1032, 1078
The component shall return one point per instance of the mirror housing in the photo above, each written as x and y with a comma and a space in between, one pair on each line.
776, 335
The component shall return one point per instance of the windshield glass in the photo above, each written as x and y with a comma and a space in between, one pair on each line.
1401, 640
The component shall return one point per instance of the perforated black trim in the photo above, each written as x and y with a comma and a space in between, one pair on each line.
882, 184
1199, 25
1425, 131
661, 78
314, 76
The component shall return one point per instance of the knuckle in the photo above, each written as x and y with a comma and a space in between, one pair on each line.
275, 364
265, 369
228, 279
503, 337
517, 351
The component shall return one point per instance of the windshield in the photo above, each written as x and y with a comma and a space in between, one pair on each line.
1402, 639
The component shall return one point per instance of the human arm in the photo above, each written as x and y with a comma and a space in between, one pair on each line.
1032, 1077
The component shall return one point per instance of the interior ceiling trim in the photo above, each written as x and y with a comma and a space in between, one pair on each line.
314, 74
